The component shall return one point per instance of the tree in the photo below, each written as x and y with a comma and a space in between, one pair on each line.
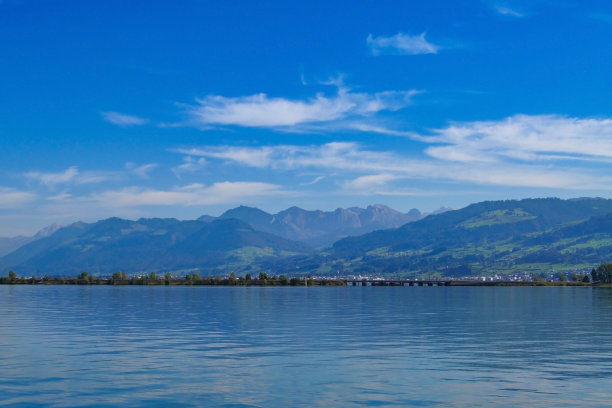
11, 276
562, 277
603, 273
167, 278
248, 277
263, 276
232, 278
153, 276
118, 276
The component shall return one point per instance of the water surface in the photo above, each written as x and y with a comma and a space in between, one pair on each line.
70, 346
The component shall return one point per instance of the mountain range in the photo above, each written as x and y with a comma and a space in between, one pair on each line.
512, 236
236, 239
148, 244
526, 236
320, 229
9, 244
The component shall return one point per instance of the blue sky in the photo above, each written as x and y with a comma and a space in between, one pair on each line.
184, 108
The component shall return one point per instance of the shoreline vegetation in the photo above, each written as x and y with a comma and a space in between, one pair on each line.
121, 279
600, 276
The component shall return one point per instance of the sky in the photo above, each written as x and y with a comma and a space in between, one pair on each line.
184, 108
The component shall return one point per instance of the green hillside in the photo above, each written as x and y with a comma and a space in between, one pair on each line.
150, 244
533, 236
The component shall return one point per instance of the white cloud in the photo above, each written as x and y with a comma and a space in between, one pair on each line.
539, 138
401, 44
315, 181
142, 170
513, 8
370, 181
493, 153
12, 199
260, 110
506, 11
51, 179
74, 176
189, 165
194, 194
120, 119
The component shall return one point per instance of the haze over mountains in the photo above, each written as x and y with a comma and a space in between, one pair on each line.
9, 244
235, 238
148, 244
532, 235
321, 228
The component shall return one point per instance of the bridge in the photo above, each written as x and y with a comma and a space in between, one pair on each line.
399, 282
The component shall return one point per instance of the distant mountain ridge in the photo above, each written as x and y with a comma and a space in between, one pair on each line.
9, 244
512, 236
531, 235
321, 228
149, 244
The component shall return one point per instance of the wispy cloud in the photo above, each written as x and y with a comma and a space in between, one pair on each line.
543, 151
11, 198
506, 11
401, 44
52, 179
121, 119
189, 164
369, 181
262, 111
314, 181
510, 8
190, 195
539, 138
73, 175
142, 170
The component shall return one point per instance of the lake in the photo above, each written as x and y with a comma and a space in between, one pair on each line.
68, 346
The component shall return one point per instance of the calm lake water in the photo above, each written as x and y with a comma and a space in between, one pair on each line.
69, 346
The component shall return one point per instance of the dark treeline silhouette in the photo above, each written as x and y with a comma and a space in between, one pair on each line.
603, 273
121, 278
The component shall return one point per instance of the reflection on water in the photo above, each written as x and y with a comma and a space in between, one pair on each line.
264, 347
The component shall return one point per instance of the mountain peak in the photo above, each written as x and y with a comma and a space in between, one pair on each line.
45, 232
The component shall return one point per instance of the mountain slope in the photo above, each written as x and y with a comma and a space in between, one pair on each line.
484, 238
321, 228
148, 244
10, 244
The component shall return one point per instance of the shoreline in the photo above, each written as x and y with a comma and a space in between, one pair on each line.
288, 282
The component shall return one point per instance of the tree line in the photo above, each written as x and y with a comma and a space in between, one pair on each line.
153, 279
603, 273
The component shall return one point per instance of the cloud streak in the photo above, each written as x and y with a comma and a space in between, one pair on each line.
72, 175
13, 199
400, 44
123, 120
544, 151
52, 179
190, 195
539, 138
506, 11
263, 111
